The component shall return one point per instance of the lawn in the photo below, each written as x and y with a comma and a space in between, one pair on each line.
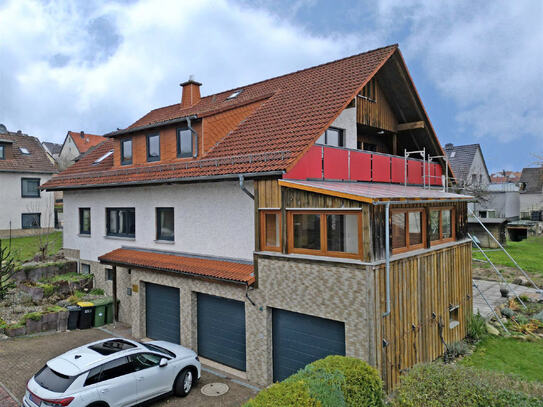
509, 355
528, 254
24, 248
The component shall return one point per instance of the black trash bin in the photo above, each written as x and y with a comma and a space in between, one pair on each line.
86, 316
73, 316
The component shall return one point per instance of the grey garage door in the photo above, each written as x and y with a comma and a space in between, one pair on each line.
299, 339
221, 330
162, 312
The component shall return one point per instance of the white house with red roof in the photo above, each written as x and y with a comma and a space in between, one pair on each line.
272, 224
74, 145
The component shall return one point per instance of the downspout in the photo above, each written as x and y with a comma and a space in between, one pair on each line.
244, 188
195, 154
387, 258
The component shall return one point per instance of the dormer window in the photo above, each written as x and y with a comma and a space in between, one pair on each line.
24, 151
153, 147
185, 144
332, 137
126, 151
234, 94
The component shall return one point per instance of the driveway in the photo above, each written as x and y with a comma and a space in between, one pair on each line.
21, 357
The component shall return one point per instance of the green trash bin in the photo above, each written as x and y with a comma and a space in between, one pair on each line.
100, 312
109, 310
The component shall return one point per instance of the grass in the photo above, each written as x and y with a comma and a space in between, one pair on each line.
527, 253
70, 277
509, 355
25, 248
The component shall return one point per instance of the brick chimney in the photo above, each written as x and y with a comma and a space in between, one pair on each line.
191, 93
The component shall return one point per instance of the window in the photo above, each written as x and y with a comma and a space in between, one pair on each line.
185, 146
109, 274
116, 368
270, 230
102, 158
165, 224
85, 268
53, 381
94, 376
2, 152
126, 151
473, 179
332, 137
145, 360
407, 232
30, 187
234, 94
121, 222
31, 220
24, 151
84, 221
441, 225
153, 147
453, 316
326, 234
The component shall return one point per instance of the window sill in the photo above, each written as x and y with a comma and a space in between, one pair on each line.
84, 234
158, 241
119, 238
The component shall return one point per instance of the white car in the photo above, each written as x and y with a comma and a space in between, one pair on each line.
114, 373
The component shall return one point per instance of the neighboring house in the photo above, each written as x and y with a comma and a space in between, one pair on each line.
501, 177
497, 228
468, 164
76, 144
52, 150
531, 193
502, 201
24, 167
251, 225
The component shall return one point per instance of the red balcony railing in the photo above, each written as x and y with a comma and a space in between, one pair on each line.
342, 164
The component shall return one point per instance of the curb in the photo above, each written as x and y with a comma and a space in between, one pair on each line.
7, 399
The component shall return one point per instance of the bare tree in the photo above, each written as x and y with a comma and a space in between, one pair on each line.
7, 269
44, 226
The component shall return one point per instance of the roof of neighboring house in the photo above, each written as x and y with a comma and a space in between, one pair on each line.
488, 220
227, 270
296, 109
533, 179
371, 192
505, 176
53, 148
461, 158
37, 161
83, 141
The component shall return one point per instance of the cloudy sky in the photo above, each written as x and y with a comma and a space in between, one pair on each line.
100, 65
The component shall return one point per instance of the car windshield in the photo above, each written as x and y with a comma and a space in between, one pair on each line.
160, 349
53, 381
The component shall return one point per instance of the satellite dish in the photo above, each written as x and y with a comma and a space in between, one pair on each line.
3, 129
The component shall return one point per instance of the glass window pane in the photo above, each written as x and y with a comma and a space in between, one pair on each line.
31, 187
2, 154
342, 233
307, 231
272, 229
154, 146
434, 225
398, 230
166, 224
127, 150
446, 221
113, 228
333, 137
415, 228
185, 143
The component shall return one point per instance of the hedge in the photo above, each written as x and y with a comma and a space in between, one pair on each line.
335, 381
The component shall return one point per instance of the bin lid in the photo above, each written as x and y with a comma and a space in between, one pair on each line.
103, 301
73, 308
85, 304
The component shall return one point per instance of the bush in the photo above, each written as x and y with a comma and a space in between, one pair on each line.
437, 385
456, 350
34, 316
48, 289
96, 291
334, 381
476, 327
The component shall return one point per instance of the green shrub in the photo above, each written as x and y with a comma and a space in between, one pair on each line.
3, 323
335, 381
48, 289
438, 385
55, 308
97, 291
34, 316
455, 350
476, 327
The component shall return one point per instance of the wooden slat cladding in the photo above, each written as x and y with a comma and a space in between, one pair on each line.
269, 193
373, 109
422, 290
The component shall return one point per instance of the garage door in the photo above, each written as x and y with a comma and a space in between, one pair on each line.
221, 330
162, 312
299, 339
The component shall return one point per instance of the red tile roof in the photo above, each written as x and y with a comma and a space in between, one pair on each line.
37, 161
298, 107
85, 141
194, 266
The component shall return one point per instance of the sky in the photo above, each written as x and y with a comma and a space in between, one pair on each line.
100, 65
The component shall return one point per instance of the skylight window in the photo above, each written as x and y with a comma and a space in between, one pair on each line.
106, 155
453, 154
24, 150
235, 94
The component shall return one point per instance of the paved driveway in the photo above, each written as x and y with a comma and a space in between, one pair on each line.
20, 358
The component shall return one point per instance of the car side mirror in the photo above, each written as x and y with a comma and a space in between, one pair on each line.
163, 362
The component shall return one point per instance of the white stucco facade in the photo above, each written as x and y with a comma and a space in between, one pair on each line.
68, 153
13, 205
478, 174
214, 218
347, 122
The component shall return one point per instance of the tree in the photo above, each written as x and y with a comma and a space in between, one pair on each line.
7, 269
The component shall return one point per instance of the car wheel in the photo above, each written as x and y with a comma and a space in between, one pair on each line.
184, 382
98, 404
